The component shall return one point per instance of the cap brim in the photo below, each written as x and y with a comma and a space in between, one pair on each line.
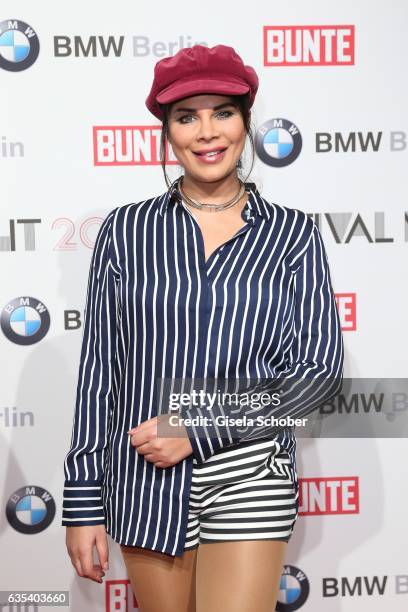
178, 91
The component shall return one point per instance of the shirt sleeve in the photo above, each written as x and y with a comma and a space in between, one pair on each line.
96, 390
313, 370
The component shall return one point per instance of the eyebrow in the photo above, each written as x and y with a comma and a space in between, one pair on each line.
192, 110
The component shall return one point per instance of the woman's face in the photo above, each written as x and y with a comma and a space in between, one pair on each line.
202, 124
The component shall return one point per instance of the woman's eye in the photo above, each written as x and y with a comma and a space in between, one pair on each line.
181, 120
225, 114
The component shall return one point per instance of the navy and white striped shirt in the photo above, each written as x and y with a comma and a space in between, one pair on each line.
261, 305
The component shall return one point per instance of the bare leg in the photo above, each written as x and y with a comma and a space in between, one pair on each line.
161, 583
242, 575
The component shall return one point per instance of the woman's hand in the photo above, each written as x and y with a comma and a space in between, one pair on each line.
163, 452
80, 542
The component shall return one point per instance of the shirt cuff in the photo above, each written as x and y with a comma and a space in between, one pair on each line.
82, 503
206, 435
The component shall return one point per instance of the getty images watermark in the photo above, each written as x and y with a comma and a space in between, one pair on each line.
237, 409
313, 406
208, 401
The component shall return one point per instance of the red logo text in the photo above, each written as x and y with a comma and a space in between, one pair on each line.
135, 145
309, 45
347, 309
329, 495
119, 596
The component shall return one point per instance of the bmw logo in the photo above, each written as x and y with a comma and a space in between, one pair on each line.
293, 590
19, 45
25, 320
278, 142
30, 509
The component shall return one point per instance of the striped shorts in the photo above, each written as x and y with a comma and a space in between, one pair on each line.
247, 491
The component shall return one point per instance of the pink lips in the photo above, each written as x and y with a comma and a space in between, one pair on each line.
211, 159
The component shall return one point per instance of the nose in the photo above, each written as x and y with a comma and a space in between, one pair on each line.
208, 127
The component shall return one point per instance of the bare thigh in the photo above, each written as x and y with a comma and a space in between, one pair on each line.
160, 582
242, 575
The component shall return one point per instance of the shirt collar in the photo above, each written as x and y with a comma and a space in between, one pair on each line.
255, 203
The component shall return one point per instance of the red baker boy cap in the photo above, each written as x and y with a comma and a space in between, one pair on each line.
198, 70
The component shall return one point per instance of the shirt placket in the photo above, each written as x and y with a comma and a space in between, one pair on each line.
208, 272
247, 214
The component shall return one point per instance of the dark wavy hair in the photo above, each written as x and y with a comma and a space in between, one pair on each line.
243, 107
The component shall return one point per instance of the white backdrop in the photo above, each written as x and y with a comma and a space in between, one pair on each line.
351, 554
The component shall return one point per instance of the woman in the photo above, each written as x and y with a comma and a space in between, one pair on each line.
204, 514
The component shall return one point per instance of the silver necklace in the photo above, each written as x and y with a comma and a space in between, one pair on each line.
212, 207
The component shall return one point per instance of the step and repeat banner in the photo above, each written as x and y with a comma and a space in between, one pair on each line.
76, 140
